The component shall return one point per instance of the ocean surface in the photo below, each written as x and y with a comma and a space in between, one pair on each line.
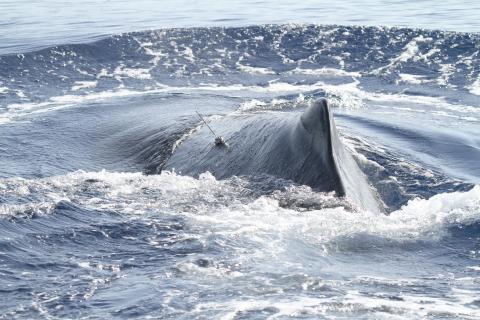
96, 95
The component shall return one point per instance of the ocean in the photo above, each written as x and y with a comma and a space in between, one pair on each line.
96, 96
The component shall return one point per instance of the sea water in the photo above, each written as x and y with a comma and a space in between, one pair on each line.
95, 95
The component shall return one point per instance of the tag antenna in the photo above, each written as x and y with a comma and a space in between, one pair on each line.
218, 140
211, 130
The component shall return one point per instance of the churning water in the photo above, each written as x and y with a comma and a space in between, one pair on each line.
90, 228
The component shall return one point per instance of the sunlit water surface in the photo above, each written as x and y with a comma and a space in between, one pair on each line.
90, 228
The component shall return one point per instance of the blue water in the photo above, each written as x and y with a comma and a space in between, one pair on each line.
30, 24
95, 95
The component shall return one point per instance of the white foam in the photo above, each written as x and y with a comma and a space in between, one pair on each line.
410, 52
84, 264
42, 207
20, 94
351, 304
411, 49
252, 105
475, 87
413, 78
253, 70
430, 102
326, 72
4, 119
350, 96
19, 110
157, 54
261, 218
188, 54
443, 209
347, 95
475, 268
260, 234
446, 70
425, 57
272, 87
135, 73
213, 271
412, 305
104, 74
256, 104
83, 72
284, 308
78, 85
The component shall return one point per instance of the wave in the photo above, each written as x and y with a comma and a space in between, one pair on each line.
108, 227
242, 56
323, 220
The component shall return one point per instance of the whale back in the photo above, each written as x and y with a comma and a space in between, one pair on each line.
305, 149
351, 181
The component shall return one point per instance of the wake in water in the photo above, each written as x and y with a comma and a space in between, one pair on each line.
99, 220
187, 247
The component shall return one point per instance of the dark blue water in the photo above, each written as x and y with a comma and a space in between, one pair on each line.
91, 228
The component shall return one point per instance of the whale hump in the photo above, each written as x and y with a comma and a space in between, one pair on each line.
315, 137
317, 117
305, 149
348, 179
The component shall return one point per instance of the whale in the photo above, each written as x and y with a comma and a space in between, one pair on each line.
301, 147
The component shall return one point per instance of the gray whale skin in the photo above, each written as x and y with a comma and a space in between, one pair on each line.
303, 148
